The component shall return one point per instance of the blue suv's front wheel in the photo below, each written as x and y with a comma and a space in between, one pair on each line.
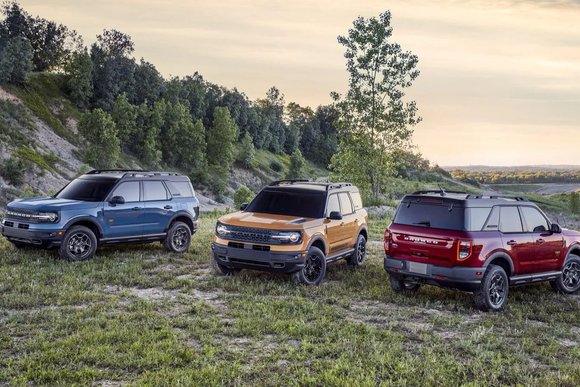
178, 238
79, 244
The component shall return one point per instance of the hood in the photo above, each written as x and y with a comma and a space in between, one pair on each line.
49, 203
266, 221
571, 233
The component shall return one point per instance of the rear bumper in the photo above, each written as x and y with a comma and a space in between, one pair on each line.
33, 236
247, 258
463, 278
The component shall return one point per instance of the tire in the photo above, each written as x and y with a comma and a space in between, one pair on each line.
79, 244
359, 255
178, 238
569, 281
493, 292
221, 269
314, 268
18, 245
403, 285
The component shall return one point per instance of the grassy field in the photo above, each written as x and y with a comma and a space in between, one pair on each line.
137, 315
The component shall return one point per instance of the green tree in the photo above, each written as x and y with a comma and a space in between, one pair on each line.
15, 61
373, 118
297, 163
148, 84
242, 195
247, 151
125, 114
221, 139
103, 148
79, 78
575, 203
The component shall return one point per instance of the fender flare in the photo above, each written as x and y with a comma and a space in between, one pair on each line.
365, 229
317, 237
84, 218
573, 250
179, 215
503, 255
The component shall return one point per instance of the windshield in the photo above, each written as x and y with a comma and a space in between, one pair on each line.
292, 203
434, 215
87, 190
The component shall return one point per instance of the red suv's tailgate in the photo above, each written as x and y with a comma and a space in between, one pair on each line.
422, 244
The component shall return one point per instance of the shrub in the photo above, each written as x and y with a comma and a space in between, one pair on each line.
243, 195
12, 170
276, 166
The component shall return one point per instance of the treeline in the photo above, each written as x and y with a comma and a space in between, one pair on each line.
517, 177
182, 122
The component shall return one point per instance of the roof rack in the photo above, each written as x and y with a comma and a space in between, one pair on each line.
440, 191
149, 174
516, 198
337, 185
288, 181
99, 171
328, 185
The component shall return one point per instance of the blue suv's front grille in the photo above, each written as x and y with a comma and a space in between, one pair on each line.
21, 215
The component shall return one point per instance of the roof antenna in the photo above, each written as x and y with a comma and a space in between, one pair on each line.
442, 191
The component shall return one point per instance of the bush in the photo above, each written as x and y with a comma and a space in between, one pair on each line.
247, 151
276, 166
12, 170
297, 163
243, 195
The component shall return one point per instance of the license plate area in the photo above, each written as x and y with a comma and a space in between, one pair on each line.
417, 267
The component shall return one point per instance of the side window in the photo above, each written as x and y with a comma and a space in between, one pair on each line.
345, 203
154, 190
535, 221
180, 189
493, 220
510, 220
332, 204
128, 190
477, 218
356, 200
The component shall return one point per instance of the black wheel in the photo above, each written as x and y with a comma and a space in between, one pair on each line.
493, 293
569, 281
359, 255
178, 238
79, 244
314, 268
18, 245
402, 284
221, 269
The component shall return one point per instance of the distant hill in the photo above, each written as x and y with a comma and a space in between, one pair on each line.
519, 168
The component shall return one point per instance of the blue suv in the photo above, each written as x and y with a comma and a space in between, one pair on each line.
107, 207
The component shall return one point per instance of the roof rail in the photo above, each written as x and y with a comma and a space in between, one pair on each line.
337, 185
512, 197
288, 181
440, 191
99, 171
149, 174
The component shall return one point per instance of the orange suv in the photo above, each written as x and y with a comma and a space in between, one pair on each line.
295, 227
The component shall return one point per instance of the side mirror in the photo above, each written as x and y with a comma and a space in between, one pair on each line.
335, 215
117, 200
243, 206
555, 229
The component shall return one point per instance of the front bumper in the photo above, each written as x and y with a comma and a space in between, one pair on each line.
34, 234
247, 258
463, 278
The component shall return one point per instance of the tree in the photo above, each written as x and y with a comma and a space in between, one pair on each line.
98, 128
125, 114
79, 78
242, 195
148, 84
297, 163
373, 119
221, 139
247, 151
575, 202
15, 61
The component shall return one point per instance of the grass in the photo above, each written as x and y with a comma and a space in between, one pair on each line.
16, 124
136, 314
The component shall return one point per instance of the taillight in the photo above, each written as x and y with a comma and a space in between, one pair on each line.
387, 240
464, 250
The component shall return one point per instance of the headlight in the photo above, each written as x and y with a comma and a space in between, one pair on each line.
46, 217
222, 229
287, 236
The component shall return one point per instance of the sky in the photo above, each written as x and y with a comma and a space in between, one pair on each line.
499, 83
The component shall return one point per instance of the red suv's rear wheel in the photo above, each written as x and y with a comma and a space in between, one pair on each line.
494, 289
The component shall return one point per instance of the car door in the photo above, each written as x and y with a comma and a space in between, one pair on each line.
350, 226
159, 208
515, 241
334, 227
547, 245
124, 220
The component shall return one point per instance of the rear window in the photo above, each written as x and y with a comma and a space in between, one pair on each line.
356, 200
181, 189
290, 202
444, 215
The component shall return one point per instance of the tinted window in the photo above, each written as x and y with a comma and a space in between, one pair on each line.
88, 190
332, 204
535, 221
154, 190
437, 215
293, 203
345, 204
356, 200
510, 220
180, 189
476, 218
493, 220
129, 191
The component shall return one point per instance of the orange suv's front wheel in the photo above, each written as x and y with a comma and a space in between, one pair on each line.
314, 268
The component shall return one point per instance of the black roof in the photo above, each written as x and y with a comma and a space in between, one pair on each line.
468, 200
302, 184
133, 174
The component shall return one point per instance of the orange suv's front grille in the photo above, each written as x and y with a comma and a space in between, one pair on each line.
247, 234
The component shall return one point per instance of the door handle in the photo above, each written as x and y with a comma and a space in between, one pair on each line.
168, 207
540, 241
512, 243
136, 208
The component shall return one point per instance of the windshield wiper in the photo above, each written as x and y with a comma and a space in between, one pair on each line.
424, 223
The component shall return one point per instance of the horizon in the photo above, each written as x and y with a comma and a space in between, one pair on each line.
486, 67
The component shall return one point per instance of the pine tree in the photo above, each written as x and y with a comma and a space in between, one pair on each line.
99, 130
16, 61
247, 151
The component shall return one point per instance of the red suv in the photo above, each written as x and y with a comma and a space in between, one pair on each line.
480, 244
